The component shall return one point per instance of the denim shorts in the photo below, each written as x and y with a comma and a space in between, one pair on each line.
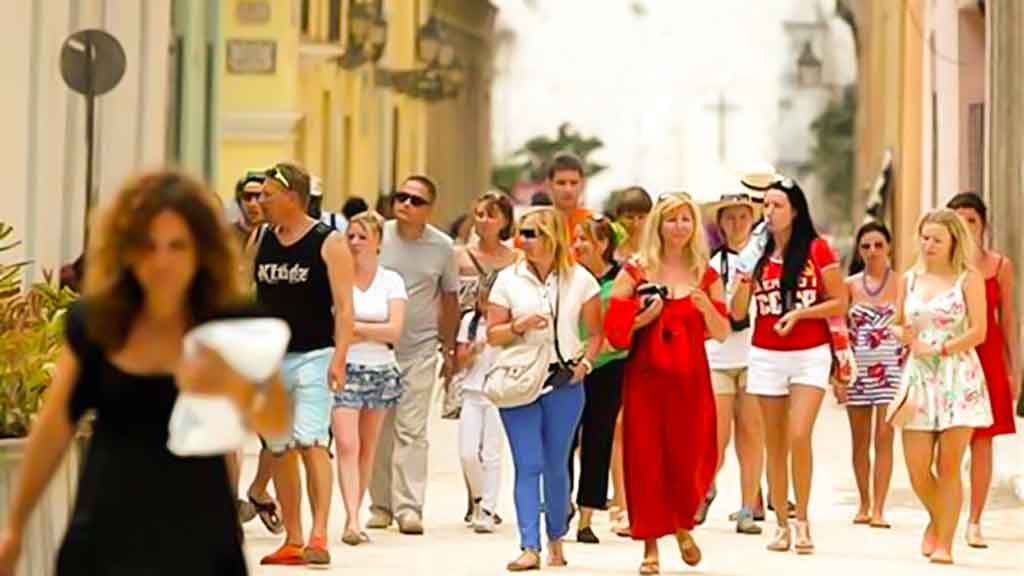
370, 387
305, 381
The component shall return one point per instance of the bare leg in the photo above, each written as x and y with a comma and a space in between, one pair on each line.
288, 486
949, 488
724, 405
618, 474
231, 461
370, 423
749, 447
264, 473
651, 551
883, 465
345, 423
918, 452
981, 476
860, 431
804, 403
318, 470
775, 414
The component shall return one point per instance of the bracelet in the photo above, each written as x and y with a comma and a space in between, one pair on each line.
587, 364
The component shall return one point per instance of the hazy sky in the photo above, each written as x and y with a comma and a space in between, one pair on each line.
644, 81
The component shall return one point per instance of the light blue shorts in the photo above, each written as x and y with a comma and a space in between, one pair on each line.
305, 381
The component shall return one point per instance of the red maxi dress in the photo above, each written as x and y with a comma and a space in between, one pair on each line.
993, 363
670, 446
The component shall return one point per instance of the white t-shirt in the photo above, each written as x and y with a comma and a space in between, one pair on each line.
373, 306
732, 353
472, 377
519, 290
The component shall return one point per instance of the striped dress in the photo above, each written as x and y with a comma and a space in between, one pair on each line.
878, 355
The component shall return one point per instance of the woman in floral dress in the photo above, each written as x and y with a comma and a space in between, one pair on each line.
942, 399
872, 293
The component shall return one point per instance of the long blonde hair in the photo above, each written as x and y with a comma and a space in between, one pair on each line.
551, 224
651, 245
963, 243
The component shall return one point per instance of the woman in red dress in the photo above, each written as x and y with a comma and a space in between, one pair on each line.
998, 353
664, 305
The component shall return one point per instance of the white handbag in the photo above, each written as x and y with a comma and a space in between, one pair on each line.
518, 374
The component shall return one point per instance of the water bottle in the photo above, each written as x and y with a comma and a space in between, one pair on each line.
752, 252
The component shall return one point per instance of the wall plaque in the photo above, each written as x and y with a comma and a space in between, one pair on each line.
253, 12
251, 56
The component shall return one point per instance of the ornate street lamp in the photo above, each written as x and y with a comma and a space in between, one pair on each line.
367, 34
808, 67
443, 76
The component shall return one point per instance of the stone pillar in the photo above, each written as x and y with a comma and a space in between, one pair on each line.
1005, 181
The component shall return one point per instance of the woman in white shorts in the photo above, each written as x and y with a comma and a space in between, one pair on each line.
796, 287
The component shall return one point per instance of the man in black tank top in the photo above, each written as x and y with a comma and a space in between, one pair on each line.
304, 276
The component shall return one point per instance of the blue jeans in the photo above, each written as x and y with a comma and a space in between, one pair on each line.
540, 435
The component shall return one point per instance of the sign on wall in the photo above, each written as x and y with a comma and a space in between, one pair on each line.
251, 56
253, 12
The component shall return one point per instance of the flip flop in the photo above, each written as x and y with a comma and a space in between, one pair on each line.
269, 513
883, 524
650, 567
865, 519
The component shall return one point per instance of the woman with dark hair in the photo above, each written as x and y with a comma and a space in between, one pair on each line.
478, 265
999, 353
594, 248
161, 261
796, 286
460, 229
872, 293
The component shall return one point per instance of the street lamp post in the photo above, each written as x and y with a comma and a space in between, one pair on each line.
808, 66
441, 78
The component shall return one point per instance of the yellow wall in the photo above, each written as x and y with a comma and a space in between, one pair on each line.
258, 98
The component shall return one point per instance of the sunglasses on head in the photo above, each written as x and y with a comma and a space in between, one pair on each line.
406, 198
276, 174
780, 183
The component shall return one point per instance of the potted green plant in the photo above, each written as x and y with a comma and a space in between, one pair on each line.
31, 332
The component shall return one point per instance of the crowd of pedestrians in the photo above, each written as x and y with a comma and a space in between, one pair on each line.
617, 345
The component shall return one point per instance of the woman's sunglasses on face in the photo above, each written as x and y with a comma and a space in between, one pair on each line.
870, 245
406, 198
529, 233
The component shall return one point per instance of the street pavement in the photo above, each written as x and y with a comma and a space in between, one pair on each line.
449, 548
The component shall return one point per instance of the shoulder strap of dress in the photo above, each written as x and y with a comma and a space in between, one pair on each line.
476, 263
708, 278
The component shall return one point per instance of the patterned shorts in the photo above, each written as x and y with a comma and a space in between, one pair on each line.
370, 387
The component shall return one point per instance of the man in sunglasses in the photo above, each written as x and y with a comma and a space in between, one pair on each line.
425, 258
304, 276
247, 198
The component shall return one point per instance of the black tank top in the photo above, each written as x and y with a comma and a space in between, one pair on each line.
292, 284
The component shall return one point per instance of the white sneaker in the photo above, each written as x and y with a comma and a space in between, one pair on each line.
483, 523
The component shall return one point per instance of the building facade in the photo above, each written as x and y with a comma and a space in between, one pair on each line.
295, 88
44, 152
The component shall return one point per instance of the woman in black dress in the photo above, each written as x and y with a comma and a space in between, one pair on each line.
161, 261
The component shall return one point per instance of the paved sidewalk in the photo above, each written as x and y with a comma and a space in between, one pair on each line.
450, 549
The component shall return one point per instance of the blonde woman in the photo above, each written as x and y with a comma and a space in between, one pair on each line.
546, 292
940, 317
372, 379
664, 304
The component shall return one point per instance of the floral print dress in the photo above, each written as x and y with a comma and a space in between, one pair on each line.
948, 391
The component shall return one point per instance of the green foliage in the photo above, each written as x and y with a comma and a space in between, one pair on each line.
31, 331
530, 161
833, 154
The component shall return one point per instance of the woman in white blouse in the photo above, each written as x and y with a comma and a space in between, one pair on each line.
550, 294
372, 382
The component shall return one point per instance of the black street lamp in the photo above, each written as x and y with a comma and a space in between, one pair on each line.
808, 67
443, 76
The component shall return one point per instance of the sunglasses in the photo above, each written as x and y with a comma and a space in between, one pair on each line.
529, 233
406, 198
870, 245
250, 196
276, 174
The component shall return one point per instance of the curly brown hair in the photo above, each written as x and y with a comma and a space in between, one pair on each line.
115, 296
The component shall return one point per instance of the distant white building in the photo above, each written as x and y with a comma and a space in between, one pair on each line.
812, 30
